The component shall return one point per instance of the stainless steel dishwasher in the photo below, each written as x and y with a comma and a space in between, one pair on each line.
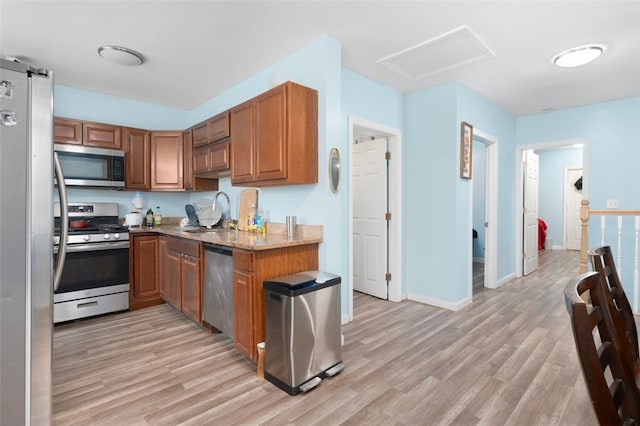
217, 297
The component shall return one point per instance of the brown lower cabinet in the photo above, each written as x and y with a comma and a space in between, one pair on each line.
181, 266
250, 269
171, 269
143, 274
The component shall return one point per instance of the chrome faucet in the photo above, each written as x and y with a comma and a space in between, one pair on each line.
215, 199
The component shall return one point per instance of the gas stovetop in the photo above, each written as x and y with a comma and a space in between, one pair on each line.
94, 229
91, 223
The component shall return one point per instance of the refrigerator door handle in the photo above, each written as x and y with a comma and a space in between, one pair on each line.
64, 223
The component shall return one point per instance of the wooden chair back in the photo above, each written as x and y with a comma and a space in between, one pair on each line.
602, 262
613, 391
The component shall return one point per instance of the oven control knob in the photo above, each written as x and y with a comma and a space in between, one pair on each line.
87, 238
116, 236
107, 236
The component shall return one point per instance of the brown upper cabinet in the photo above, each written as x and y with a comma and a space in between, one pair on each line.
161, 161
67, 131
212, 130
192, 179
211, 147
274, 138
86, 133
137, 158
154, 160
212, 160
167, 161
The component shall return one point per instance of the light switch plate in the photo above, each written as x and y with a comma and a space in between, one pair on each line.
613, 204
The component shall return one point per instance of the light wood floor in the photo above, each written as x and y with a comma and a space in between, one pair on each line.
509, 358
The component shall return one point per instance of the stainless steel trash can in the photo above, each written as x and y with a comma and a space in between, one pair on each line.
302, 330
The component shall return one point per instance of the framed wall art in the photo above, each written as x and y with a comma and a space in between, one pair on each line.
466, 145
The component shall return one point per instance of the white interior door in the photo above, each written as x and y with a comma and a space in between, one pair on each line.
572, 200
369, 223
530, 219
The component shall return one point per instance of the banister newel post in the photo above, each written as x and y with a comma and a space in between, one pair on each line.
584, 236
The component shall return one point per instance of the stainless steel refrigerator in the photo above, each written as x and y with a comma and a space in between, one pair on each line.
26, 244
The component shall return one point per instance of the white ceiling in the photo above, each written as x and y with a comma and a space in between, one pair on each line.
195, 50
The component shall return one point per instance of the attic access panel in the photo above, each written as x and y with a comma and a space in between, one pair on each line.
455, 49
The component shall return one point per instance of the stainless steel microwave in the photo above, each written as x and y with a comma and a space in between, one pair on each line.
91, 167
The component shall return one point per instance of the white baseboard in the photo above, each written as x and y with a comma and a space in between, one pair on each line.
345, 319
505, 280
452, 306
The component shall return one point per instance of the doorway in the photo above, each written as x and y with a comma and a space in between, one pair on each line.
479, 214
384, 253
530, 215
572, 229
489, 196
370, 177
551, 195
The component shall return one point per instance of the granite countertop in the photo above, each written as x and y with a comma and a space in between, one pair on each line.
274, 238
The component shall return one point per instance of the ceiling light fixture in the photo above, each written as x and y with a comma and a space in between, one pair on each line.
120, 55
578, 56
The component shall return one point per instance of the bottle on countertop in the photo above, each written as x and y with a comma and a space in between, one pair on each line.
149, 218
251, 219
157, 218
260, 222
265, 220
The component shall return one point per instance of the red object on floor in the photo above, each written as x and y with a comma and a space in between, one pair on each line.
542, 233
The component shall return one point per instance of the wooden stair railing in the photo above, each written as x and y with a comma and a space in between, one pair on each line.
585, 215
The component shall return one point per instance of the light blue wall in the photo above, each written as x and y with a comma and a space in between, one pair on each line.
499, 124
92, 106
437, 233
611, 159
551, 166
369, 100
610, 129
170, 203
430, 176
479, 195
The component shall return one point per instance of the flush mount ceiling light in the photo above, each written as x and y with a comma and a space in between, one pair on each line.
578, 56
120, 55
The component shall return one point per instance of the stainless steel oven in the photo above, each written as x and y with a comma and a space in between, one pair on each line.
95, 279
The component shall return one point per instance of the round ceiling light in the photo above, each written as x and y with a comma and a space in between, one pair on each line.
120, 55
578, 56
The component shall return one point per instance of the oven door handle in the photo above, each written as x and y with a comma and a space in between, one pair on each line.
64, 223
77, 248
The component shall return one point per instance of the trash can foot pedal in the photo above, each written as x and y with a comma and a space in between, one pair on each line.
307, 386
334, 370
